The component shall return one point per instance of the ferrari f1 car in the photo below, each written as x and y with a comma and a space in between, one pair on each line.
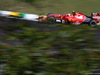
76, 18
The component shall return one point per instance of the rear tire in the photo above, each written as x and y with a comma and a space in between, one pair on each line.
93, 23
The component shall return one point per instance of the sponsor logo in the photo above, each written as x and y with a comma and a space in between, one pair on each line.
73, 20
69, 19
58, 20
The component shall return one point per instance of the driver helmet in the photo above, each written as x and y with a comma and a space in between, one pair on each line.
73, 12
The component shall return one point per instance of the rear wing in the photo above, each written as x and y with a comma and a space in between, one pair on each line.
95, 14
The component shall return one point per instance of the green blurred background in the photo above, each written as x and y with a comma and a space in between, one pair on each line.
51, 6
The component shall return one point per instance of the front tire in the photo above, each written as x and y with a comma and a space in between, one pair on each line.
49, 14
50, 20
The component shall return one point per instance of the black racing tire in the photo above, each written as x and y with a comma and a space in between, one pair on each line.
93, 23
49, 14
51, 20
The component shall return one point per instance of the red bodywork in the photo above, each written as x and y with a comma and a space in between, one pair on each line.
43, 19
57, 16
77, 18
96, 16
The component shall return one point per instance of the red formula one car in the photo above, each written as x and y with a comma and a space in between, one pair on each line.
74, 18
